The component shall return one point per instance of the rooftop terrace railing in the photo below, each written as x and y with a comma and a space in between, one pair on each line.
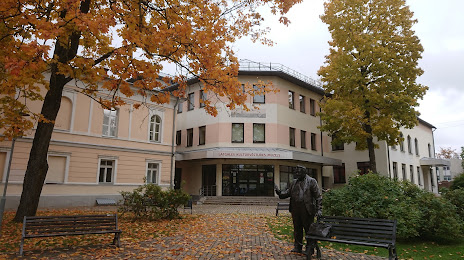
248, 65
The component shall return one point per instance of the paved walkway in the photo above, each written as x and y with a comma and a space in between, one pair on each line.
219, 232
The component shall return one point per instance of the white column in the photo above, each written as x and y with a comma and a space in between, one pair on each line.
218, 179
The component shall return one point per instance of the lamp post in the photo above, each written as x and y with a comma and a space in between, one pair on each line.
3, 201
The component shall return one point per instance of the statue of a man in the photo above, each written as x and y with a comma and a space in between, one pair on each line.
305, 203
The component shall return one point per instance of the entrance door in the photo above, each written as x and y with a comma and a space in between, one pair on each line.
208, 183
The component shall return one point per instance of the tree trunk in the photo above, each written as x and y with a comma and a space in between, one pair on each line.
37, 165
66, 48
371, 149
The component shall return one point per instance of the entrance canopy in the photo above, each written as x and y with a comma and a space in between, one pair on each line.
256, 153
427, 161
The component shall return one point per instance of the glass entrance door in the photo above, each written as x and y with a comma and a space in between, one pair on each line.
247, 180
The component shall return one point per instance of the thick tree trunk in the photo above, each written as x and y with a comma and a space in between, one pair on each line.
65, 50
37, 165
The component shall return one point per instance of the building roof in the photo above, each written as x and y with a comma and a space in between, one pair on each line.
256, 153
425, 123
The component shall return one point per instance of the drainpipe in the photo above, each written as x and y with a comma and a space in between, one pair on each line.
322, 146
173, 143
389, 162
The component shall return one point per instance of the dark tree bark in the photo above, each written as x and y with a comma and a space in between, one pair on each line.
37, 166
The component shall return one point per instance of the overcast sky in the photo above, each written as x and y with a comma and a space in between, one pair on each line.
303, 45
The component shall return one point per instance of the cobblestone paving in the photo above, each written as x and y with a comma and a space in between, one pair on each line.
220, 237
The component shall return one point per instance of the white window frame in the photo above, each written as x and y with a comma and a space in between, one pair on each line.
115, 118
152, 134
158, 174
115, 169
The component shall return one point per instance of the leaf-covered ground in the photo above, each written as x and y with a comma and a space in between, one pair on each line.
229, 236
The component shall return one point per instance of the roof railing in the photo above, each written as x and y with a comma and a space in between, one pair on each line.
248, 65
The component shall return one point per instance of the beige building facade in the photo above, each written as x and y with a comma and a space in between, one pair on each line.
95, 152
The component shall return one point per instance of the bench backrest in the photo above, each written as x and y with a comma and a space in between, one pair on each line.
55, 225
362, 229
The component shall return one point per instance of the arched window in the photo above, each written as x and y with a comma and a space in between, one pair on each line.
155, 128
401, 142
409, 145
416, 146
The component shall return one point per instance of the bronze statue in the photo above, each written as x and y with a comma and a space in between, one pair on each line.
305, 203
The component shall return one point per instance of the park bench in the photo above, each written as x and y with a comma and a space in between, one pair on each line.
189, 205
359, 231
282, 206
52, 226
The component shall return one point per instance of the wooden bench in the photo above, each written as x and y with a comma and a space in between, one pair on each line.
282, 206
52, 226
359, 231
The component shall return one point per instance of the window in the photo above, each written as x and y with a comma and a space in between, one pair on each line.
409, 145
337, 145
110, 122
56, 169
152, 172
302, 104
202, 98
180, 107
395, 170
363, 168
201, 135
106, 171
292, 136
416, 146
189, 137
403, 170
258, 99
312, 107
237, 133
63, 119
303, 139
430, 150
418, 176
291, 99
313, 141
401, 142
259, 133
179, 137
339, 174
191, 101
155, 128
411, 173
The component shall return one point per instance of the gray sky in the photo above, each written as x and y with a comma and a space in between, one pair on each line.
303, 44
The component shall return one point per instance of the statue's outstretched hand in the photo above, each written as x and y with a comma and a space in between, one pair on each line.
277, 190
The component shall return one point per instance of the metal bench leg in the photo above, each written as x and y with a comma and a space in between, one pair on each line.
116, 239
21, 247
318, 254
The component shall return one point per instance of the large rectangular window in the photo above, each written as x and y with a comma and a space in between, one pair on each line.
259, 133
237, 133
152, 172
191, 101
291, 99
180, 107
110, 122
312, 107
339, 174
291, 131
302, 104
202, 98
189, 137
337, 145
395, 170
258, 98
403, 171
201, 135
303, 139
313, 142
106, 171
179, 137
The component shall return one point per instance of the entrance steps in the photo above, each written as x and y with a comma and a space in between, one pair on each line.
241, 200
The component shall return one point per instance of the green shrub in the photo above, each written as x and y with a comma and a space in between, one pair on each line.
457, 183
456, 197
418, 213
150, 202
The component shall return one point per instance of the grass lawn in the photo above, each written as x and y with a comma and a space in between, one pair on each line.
282, 228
